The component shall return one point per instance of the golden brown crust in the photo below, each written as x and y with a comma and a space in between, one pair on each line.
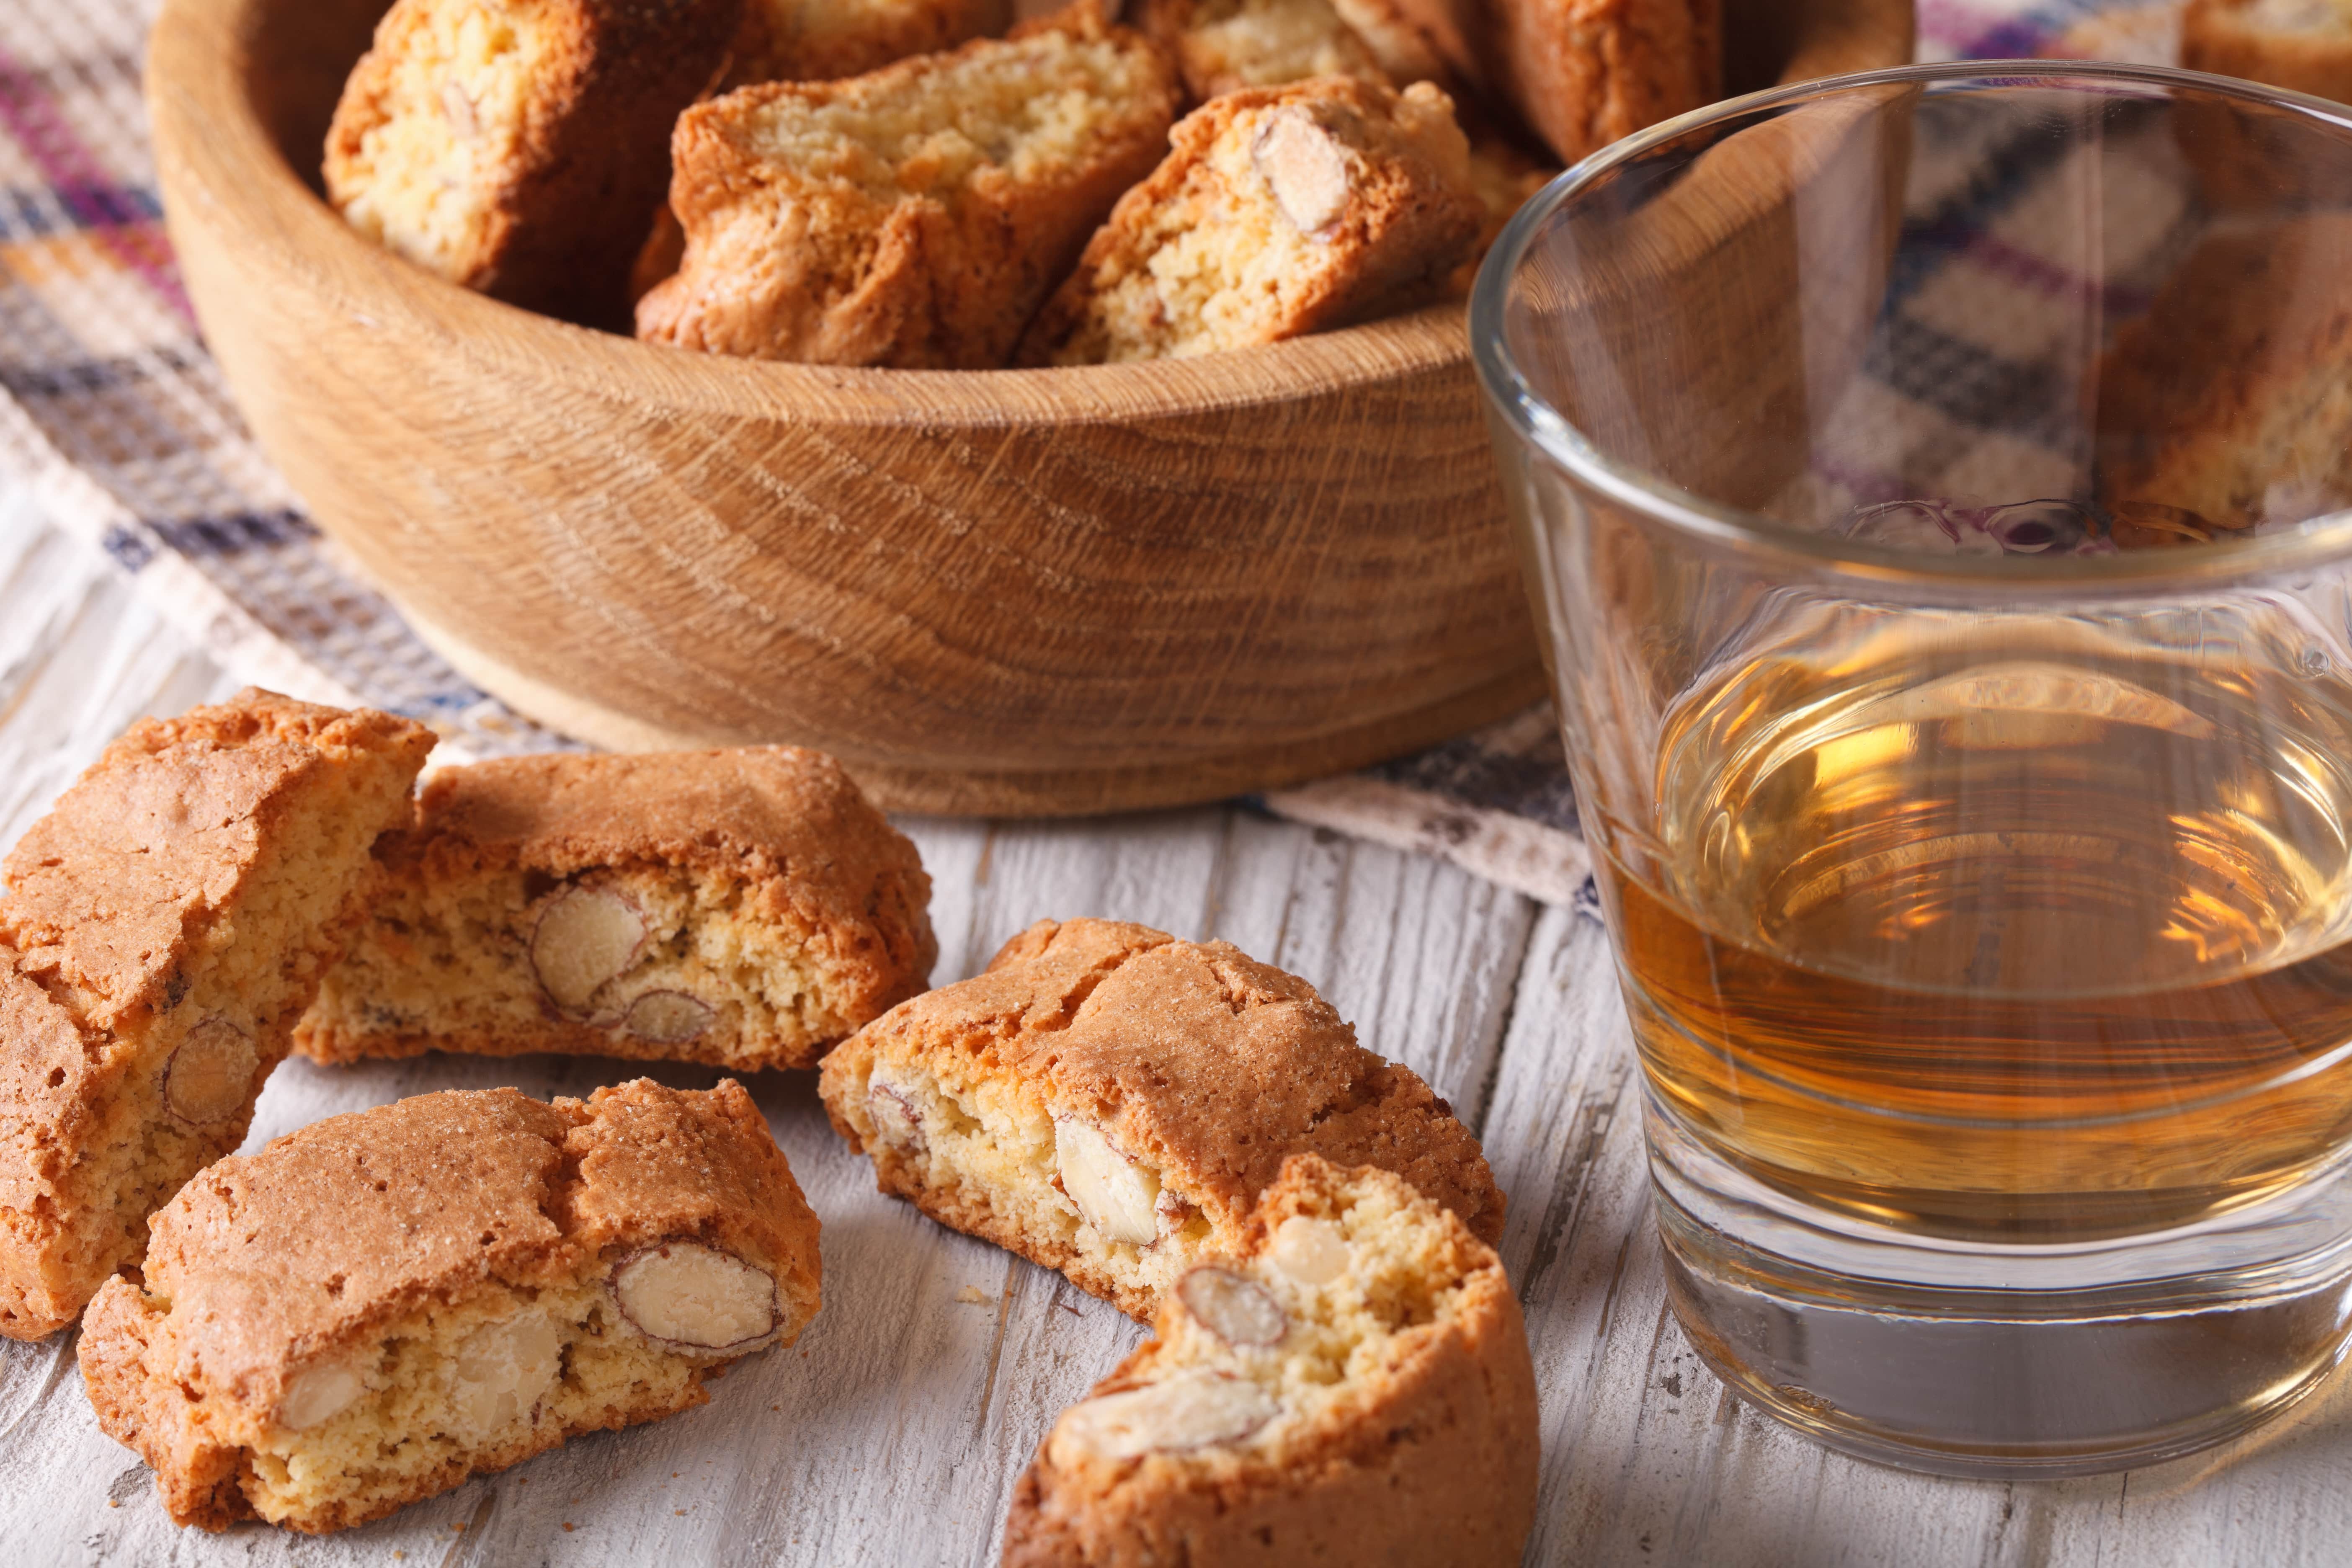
1315, 204
1193, 1056
559, 214
2250, 428
128, 901
1433, 1461
782, 832
810, 237
120, 883
431, 1199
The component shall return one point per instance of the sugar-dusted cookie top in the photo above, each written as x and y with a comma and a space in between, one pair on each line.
122, 882
1197, 1057
759, 810
270, 1261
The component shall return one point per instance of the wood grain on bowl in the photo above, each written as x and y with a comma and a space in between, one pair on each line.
1009, 591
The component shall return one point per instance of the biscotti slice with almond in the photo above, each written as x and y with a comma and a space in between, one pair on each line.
915, 216
1109, 1101
1350, 1384
166, 924
1224, 46
1279, 211
744, 908
519, 147
383, 1304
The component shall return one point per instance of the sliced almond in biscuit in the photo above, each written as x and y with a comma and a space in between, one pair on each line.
1311, 1251
1115, 1194
697, 1296
1197, 1409
210, 1075
895, 1116
1233, 1306
1305, 167
667, 1017
503, 1370
317, 1395
584, 938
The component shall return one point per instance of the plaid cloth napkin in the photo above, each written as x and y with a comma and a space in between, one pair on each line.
116, 418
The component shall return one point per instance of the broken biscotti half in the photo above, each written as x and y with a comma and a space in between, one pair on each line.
518, 147
822, 40
1226, 45
2248, 427
1280, 211
377, 1307
1222, 46
744, 908
1350, 1384
166, 924
913, 217
1109, 1101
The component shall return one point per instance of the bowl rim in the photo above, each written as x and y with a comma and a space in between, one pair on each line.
1716, 526
204, 116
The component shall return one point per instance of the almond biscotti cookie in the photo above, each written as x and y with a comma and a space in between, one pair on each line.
1109, 1101
913, 217
822, 40
744, 908
518, 147
1352, 1384
377, 1307
166, 924
2250, 428
1280, 211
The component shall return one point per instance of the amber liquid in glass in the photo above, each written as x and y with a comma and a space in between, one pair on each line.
2004, 931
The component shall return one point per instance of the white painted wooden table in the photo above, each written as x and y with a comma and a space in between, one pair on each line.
892, 1432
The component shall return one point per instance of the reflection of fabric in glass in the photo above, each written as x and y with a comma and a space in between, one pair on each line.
2046, 527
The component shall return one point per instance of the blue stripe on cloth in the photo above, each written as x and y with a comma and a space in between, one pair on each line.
129, 549
229, 533
72, 378
1533, 786
1969, 385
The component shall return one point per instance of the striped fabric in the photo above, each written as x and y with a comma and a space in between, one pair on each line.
114, 416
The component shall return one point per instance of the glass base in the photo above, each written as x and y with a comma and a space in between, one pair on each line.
1968, 1359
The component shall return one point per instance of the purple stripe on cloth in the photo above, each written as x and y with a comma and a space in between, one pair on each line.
2002, 259
110, 215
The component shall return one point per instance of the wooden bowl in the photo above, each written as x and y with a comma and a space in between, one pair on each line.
1007, 592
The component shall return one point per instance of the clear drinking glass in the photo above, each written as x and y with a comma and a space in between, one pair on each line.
1930, 484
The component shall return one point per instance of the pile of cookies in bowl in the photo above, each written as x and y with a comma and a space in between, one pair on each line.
892, 183
375, 1308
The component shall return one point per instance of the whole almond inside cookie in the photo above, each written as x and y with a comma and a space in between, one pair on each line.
1136, 1094
1383, 1411
744, 908
376, 1307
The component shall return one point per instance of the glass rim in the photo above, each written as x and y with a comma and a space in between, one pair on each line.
1534, 421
